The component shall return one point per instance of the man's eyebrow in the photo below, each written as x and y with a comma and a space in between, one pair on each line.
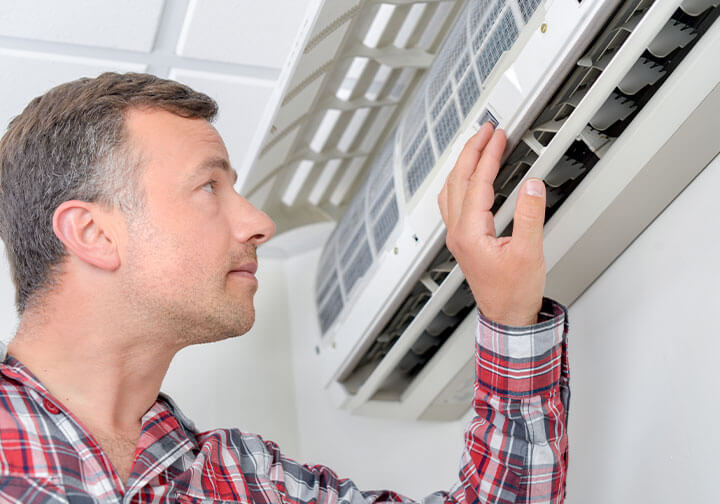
218, 163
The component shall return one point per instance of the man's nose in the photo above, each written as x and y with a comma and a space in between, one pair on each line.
251, 224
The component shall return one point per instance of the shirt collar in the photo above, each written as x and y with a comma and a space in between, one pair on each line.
13, 369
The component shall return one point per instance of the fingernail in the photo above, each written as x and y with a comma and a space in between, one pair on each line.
535, 187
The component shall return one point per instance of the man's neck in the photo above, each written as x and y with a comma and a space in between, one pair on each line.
108, 382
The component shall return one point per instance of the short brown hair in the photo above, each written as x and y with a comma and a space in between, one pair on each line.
71, 143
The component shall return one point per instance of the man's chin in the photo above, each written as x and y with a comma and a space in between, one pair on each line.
218, 326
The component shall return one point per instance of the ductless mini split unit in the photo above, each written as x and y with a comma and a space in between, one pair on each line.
613, 104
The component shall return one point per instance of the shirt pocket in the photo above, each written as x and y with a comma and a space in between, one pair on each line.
31, 490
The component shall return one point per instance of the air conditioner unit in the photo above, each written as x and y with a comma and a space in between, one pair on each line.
613, 104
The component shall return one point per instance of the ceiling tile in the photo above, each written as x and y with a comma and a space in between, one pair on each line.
130, 24
39, 72
242, 102
258, 33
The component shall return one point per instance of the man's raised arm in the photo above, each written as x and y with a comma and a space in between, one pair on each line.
516, 446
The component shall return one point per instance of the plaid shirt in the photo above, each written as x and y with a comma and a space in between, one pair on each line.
516, 446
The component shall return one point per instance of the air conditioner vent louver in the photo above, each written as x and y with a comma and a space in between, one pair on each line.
634, 90
434, 335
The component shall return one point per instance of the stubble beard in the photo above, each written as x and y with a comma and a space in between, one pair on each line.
193, 317
207, 311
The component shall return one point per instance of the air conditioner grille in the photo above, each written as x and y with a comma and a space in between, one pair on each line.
352, 246
421, 166
370, 218
527, 7
415, 145
486, 15
468, 93
331, 309
447, 59
446, 127
329, 285
386, 223
382, 199
501, 40
358, 266
326, 277
483, 32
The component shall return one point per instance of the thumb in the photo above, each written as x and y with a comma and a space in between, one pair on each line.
529, 215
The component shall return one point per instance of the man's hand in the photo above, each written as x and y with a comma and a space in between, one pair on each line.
506, 275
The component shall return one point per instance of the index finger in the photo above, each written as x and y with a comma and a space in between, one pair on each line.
480, 194
457, 181
471, 153
489, 164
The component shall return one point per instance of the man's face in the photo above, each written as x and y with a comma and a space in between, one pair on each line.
190, 255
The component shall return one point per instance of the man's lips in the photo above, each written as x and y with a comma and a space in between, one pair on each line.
248, 267
247, 270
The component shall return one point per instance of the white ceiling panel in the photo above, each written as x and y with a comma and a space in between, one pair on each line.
126, 24
242, 102
247, 32
40, 72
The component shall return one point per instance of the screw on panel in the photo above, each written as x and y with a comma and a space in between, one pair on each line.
415, 237
396, 251
333, 344
317, 350
543, 28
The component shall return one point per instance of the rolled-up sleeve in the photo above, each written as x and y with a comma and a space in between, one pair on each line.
516, 445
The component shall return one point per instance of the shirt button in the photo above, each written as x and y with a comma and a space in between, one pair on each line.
50, 407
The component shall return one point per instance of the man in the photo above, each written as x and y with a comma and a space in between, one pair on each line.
127, 242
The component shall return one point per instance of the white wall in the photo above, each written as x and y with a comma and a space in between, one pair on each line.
643, 356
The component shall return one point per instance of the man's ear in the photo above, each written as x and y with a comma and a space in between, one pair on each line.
86, 231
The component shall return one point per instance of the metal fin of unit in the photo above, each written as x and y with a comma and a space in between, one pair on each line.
675, 34
644, 72
616, 108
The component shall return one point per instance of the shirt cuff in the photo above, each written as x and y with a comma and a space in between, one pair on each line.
519, 362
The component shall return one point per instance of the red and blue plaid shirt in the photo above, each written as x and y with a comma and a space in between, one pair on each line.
516, 446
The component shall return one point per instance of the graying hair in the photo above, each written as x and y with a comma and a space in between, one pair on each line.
72, 144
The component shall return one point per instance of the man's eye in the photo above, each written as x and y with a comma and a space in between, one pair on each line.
209, 186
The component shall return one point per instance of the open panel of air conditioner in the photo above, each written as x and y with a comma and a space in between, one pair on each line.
599, 99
